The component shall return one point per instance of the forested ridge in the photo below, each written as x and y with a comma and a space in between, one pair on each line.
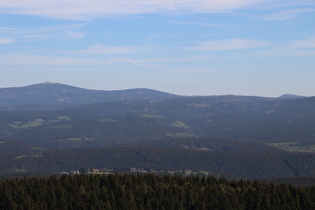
250, 119
245, 164
150, 192
53, 96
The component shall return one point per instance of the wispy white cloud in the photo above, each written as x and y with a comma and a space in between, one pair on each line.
229, 44
124, 54
74, 34
282, 53
23, 59
101, 49
307, 43
29, 59
6, 41
294, 49
39, 29
44, 33
52, 61
205, 24
286, 14
87, 9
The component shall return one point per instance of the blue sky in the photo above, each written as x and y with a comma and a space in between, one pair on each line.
199, 47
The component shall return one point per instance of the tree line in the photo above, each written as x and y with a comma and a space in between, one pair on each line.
135, 191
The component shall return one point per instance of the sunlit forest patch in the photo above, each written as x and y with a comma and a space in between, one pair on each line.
105, 120
295, 146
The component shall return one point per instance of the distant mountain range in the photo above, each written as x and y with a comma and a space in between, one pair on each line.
53, 126
52, 96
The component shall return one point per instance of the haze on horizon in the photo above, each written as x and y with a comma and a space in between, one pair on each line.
259, 47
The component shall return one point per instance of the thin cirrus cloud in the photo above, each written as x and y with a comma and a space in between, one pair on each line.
87, 9
25, 59
229, 44
303, 44
286, 14
44, 33
6, 41
47, 29
74, 34
115, 50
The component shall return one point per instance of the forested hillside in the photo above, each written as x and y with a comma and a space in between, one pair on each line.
205, 144
245, 164
227, 117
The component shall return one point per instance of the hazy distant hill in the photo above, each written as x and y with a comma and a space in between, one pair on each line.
52, 96
291, 96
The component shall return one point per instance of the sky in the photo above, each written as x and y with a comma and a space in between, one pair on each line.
185, 47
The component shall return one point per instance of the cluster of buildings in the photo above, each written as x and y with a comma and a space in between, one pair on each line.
136, 170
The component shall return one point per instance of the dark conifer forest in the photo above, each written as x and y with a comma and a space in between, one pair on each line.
150, 192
